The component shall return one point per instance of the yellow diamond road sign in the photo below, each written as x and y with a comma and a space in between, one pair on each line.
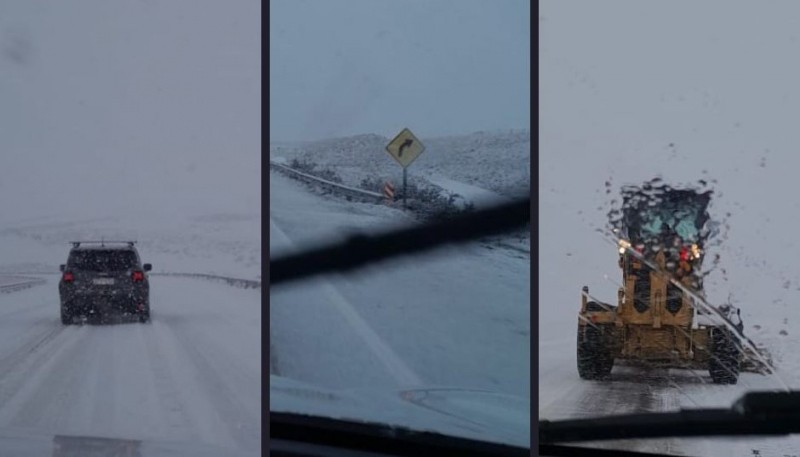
405, 148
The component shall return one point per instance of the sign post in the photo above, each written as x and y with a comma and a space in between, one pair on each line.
405, 187
405, 148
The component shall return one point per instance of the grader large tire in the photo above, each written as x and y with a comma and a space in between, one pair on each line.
724, 362
595, 359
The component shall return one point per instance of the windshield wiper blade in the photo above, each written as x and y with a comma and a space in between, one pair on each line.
288, 429
360, 250
756, 413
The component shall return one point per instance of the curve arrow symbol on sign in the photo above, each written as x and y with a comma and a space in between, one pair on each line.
407, 143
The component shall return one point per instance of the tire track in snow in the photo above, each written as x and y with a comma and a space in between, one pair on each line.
104, 410
175, 415
390, 360
625, 393
10, 288
34, 352
209, 389
41, 385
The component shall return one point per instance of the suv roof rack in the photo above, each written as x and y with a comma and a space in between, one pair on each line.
76, 244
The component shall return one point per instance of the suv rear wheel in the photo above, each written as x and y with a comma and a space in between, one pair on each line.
66, 318
144, 315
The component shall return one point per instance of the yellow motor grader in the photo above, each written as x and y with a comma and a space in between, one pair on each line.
660, 319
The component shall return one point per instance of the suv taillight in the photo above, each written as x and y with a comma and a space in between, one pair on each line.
68, 277
137, 276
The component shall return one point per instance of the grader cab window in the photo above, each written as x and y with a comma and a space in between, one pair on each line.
677, 213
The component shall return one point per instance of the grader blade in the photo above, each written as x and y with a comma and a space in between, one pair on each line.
760, 363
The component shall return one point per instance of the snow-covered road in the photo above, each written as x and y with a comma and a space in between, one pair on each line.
460, 317
563, 395
192, 375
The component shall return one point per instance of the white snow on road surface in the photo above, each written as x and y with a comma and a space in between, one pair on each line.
459, 317
616, 109
390, 360
192, 375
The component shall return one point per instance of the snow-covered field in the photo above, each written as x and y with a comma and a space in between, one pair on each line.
215, 242
605, 117
459, 317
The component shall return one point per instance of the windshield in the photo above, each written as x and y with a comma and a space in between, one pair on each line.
135, 122
631, 99
386, 115
97, 260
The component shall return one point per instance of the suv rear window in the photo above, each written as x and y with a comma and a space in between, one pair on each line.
102, 260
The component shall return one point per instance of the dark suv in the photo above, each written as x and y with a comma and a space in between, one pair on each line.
104, 277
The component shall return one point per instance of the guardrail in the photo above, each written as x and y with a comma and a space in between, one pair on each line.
235, 282
27, 283
336, 186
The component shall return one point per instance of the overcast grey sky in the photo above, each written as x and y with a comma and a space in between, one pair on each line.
440, 67
142, 103
685, 90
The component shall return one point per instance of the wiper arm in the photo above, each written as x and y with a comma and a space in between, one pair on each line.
756, 413
361, 250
